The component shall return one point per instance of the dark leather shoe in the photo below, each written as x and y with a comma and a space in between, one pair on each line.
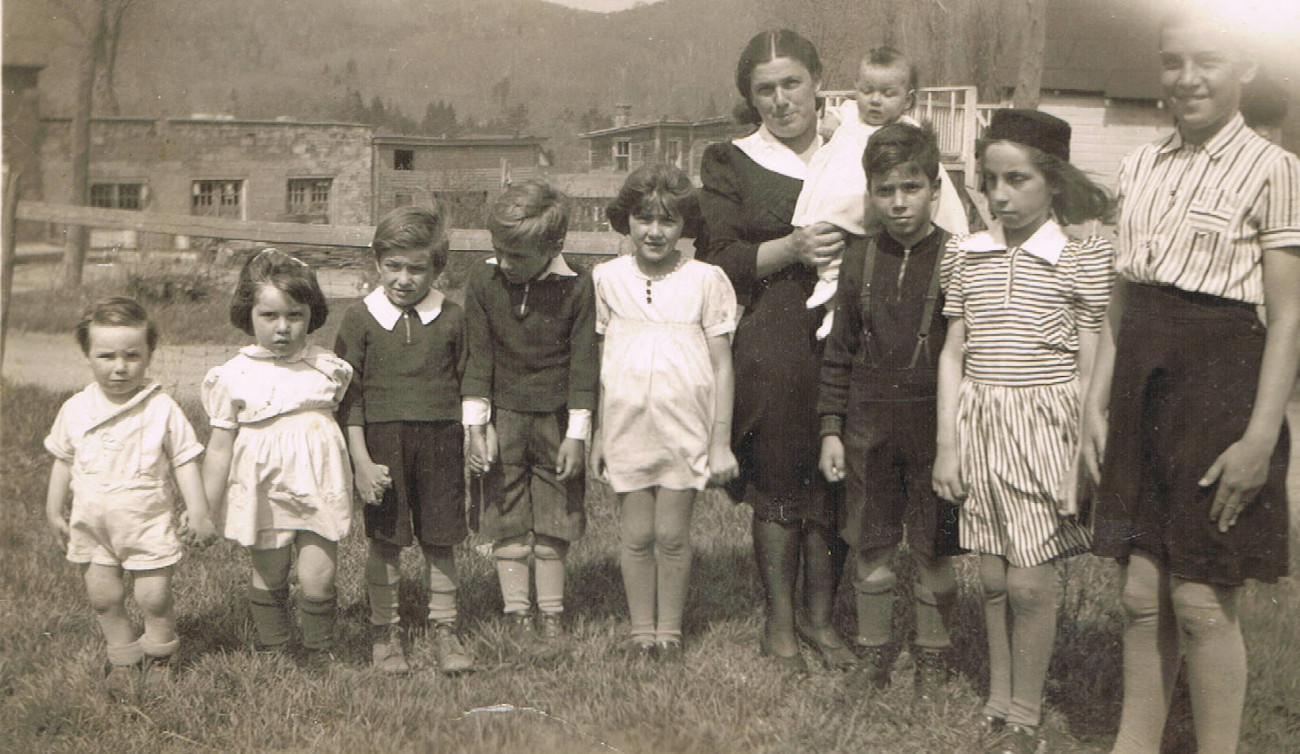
833, 656
790, 664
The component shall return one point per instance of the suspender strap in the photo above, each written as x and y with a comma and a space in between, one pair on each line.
927, 314
864, 298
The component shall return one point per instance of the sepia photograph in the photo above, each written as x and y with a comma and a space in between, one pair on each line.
650, 376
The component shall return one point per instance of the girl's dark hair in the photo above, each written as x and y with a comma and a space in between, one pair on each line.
531, 214
412, 228
290, 275
765, 47
1075, 197
651, 187
902, 144
116, 311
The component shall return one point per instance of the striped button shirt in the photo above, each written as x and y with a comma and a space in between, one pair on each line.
1200, 217
1024, 306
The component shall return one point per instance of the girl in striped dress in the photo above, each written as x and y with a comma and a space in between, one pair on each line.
1025, 305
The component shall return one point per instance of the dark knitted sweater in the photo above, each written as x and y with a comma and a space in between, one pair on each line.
396, 380
532, 346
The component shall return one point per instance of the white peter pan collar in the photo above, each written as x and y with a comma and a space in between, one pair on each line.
387, 315
1046, 243
769, 152
104, 409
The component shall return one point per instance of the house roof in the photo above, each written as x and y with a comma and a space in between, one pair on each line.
1107, 47
459, 141
635, 127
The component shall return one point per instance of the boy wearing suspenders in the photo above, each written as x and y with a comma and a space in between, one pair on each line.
879, 382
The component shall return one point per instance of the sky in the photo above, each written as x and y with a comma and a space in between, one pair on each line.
602, 6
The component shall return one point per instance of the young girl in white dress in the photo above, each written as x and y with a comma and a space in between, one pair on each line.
277, 456
664, 422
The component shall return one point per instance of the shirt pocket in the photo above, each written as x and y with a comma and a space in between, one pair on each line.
1056, 330
1209, 219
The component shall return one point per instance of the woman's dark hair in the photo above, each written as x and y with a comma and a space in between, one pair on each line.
1075, 198
652, 187
290, 275
765, 47
116, 311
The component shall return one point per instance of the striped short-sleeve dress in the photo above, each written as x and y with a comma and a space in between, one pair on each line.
1019, 402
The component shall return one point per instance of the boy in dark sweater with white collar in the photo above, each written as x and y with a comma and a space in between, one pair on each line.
531, 376
406, 344
879, 384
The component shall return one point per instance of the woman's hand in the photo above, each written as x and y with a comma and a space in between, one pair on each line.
817, 244
831, 461
1092, 445
946, 477
723, 466
1240, 471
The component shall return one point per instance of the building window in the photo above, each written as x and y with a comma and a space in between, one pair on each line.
310, 197
403, 159
116, 195
623, 155
673, 152
217, 198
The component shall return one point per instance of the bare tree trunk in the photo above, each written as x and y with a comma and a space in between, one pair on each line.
8, 252
74, 257
1032, 49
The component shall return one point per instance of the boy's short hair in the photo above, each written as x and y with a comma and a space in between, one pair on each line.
116, 311
412, 228
530, 214
890, 57
899, 144
271, 266
658, 184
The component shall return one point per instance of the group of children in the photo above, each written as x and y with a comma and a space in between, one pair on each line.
950, 403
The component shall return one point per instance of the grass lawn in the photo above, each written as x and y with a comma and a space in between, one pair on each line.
579, 695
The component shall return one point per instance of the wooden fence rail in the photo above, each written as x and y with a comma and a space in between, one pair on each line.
344, 236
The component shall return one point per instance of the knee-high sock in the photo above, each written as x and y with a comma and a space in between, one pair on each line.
548, 565
440, 579
993, 577
873, 590
936, 592
1150, 656
512, 572
382, 580
1216, 662
1032, 595
270, 611
316, 617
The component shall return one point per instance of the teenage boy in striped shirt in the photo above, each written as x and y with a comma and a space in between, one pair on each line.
1190, 383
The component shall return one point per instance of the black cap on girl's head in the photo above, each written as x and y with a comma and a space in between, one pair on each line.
1039, 130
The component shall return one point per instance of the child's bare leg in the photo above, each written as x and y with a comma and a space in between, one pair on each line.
672, 533
383, 574
318, 602
153, 594
1216, 661
107, 595
268, 597
936, 589
993, 577
1150, 656
636, 524
1032, 594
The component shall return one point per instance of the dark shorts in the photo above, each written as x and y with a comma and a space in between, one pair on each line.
889, 449
426, 503
522, 494
1186, 371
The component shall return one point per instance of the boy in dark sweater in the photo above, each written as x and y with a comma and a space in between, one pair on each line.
406, 344
531, 377
877, 403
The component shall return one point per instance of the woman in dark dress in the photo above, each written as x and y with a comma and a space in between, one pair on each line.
750, 189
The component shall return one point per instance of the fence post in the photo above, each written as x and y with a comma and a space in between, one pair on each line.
8, 251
